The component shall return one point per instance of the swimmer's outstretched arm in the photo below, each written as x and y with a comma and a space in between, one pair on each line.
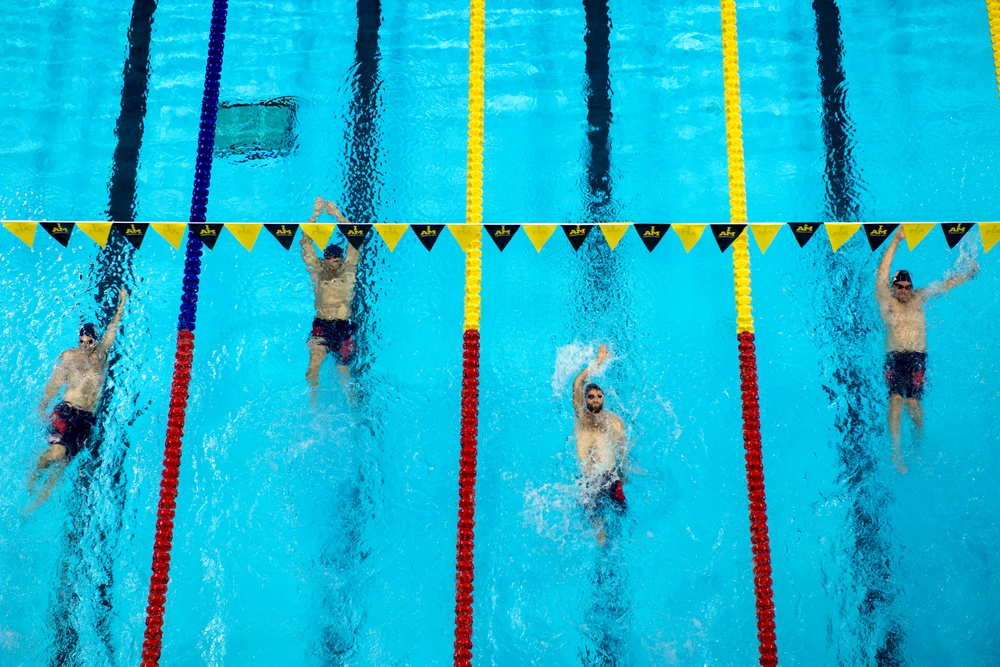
882, 276
332, 209
109, 336
352, 254
939, 288
581, 378
308, 251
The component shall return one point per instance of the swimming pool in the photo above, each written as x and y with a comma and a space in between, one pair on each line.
326, 536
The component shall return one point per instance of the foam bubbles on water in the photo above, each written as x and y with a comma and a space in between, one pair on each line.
570, 359
968, 253
553, 510
669, 408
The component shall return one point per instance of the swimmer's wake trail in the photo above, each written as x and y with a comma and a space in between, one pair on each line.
91, 542
879, 635
602, 307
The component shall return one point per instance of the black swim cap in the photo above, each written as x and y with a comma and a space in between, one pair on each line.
333, 250
902, 276
88, 329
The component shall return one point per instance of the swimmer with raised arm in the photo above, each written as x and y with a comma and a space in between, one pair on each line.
902, 310
333, 278
80, 371
601, 448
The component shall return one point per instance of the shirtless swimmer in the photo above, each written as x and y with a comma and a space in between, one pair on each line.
333, 278
902, 310
601, 447
81, 371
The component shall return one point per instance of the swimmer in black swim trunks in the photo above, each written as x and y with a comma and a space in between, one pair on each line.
902, 310
333, 280
601, 446
81, 371
606, 491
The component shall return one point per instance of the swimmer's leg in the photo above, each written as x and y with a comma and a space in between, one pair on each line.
55, 458
602, 533
344, 371
317, 353
917, 415
895, 417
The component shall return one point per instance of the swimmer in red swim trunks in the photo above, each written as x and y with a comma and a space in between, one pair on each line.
601, 446
333, 278
902, 310
81, 371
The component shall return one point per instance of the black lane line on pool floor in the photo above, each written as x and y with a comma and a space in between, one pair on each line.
347, 546
597, 39
91, 541
871, 558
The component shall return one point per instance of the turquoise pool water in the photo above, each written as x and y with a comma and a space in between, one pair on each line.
325, 535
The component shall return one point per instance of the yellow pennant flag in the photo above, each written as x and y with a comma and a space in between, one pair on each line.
689, 234
23, 230
539, 234
465, 234
99, 231
319, 233
839, 232
916, 231
391, 233
245, 233
989, 232
173, 232
764, 233
614, 231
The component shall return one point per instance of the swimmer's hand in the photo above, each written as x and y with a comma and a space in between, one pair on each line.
602, 354
122, 295
332, 210
900, 233
318, 206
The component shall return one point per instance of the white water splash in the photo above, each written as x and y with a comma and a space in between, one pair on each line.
570, 360
552, 510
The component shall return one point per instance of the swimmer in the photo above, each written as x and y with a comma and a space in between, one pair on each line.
81, 371
333, 279
601, 448
902, 310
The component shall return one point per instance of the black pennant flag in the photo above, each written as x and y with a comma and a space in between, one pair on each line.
953, 231
208, 233
726, 234
428, 234
576, 234
877, 233
804, 231
501, 234
285, 233
134, 232
60, 231
356, 234
651, 234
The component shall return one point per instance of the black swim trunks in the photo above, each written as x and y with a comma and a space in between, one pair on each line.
71, 427
610, 492
905, 373
336, 336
